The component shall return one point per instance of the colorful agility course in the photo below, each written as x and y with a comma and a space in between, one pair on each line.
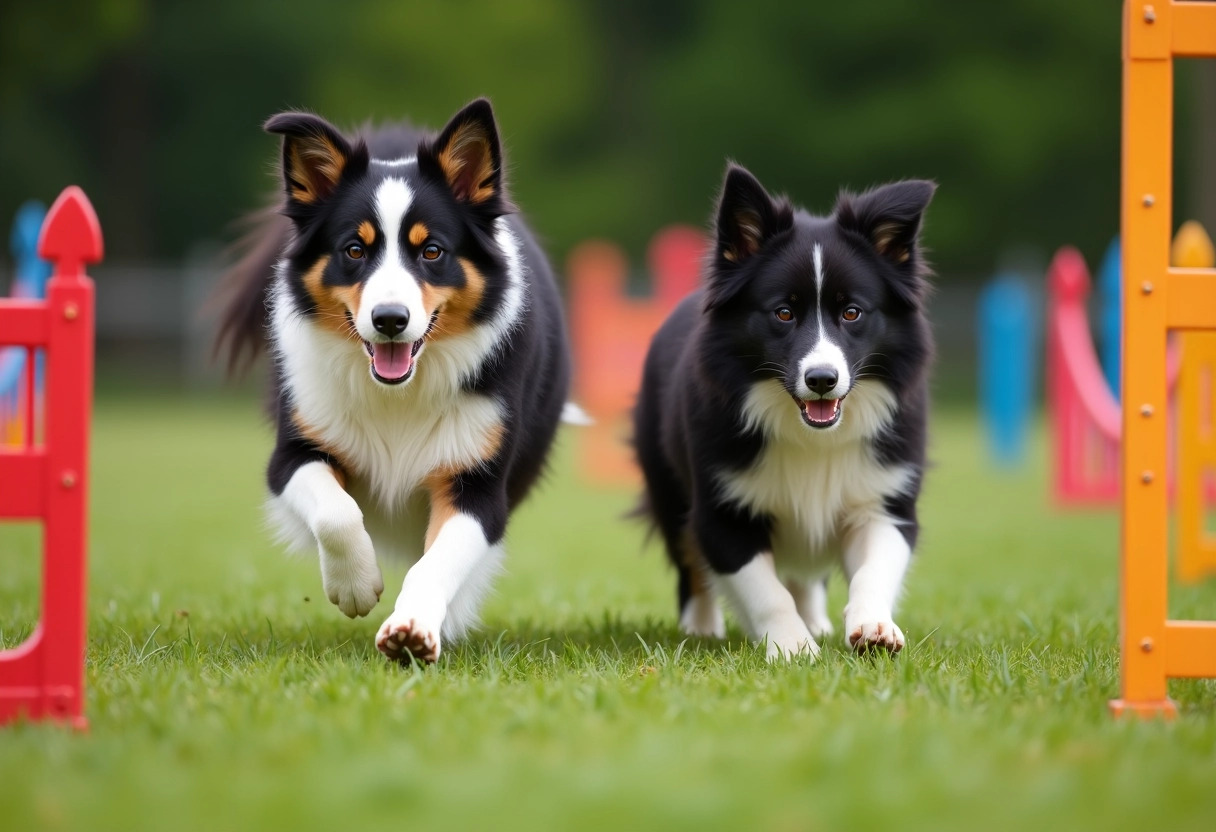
611, 331
29, 283
44, 475
1157, 299
1083, 404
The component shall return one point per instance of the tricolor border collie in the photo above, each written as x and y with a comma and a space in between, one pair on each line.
419, 363
781, 420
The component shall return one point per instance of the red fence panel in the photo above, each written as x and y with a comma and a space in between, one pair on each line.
44, 677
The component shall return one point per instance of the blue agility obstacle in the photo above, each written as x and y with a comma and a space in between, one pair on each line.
1008, 336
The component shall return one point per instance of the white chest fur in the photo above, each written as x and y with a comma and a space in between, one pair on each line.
816, 484
389, 438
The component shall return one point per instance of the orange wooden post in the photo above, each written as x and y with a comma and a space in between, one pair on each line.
1196, 447
1156, 299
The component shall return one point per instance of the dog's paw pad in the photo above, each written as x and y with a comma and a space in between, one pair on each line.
405, 640
876, 635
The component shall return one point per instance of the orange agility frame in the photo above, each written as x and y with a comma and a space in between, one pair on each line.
1156, 300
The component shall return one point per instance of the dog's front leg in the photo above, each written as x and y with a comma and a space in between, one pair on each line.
349, 572
876, 556
441, 592
736, 545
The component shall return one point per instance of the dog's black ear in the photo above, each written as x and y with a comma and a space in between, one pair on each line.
747, 218
469, 155
888, 218
315, 156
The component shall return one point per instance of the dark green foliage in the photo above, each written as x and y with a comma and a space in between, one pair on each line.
618, 117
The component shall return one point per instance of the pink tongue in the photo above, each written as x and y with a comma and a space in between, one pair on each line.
392, 361
820, 410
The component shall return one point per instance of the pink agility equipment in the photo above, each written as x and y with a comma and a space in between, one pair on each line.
47, 481
1086, 419
611, 333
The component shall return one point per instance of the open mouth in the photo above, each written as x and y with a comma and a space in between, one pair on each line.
393, 361
822, 413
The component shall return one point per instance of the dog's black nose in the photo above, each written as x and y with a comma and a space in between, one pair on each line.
390, 319
821, 379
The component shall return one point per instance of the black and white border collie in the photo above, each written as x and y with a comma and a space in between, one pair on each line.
781, 422
420, 363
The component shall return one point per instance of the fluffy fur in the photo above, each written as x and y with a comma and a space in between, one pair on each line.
782, 417
420, 366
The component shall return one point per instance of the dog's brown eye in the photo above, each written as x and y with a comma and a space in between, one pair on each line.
355, 252
851, 313
431, 252
784, 313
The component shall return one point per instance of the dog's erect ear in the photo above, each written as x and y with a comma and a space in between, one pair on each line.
747, 218
470, 156
315, 156
889, 218
747, 215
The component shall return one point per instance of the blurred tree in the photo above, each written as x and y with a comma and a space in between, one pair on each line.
618, 115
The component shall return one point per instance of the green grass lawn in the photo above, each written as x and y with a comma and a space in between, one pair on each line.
225, 692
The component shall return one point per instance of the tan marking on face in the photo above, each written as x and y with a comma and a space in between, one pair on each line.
306, 431
455, 305
367, 233
418, 234
316, 166
333, 302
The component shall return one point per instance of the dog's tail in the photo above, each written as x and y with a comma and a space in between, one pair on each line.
243, 293
572, 414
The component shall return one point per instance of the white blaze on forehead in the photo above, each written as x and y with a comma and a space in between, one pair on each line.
825, 353
391, 282
817, 253
395, 163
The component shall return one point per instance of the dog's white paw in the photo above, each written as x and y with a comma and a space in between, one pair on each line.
702, 617
401, 637
875, 634
789, 640
349, 572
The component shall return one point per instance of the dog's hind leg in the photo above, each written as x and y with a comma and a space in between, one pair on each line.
700, 614
811, 601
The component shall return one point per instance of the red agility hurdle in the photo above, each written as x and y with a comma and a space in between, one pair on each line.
611, 333
46, 480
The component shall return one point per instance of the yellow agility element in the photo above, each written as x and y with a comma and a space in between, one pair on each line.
1157, 297
1196, 421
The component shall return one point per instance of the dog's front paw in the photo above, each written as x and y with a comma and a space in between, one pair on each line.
876, 634
349, 572
401, 637
789, 640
